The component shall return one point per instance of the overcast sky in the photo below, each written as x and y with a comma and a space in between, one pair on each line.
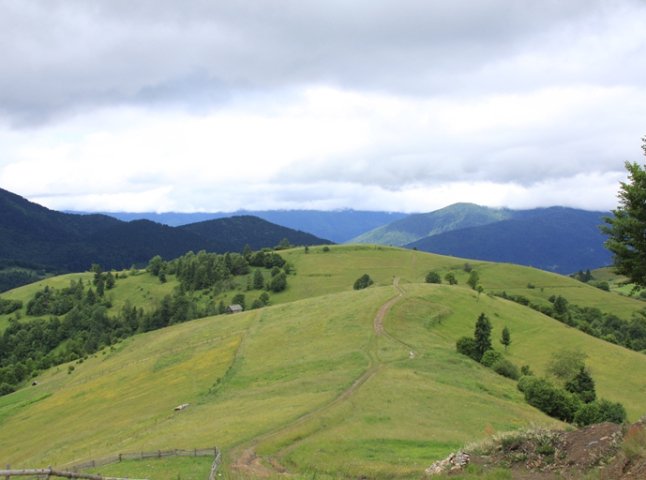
407, 105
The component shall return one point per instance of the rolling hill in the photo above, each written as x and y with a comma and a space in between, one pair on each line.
326, 381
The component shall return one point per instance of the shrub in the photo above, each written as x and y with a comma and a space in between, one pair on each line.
505, 368
600, 411
364, 281
278, 283
525, 370
565, 364
603, 286
6, 389
9, 306
467, 346
433, 277
587, 414
490, 357
551, 400
524, 382
612, 411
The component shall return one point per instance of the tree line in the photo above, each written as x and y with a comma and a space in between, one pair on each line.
606, 326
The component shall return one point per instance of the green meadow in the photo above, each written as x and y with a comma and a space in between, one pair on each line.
318, 384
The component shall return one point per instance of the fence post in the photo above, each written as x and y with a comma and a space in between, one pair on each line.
8, 477
119, 458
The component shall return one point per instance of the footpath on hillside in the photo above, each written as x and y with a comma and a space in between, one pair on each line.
244, 459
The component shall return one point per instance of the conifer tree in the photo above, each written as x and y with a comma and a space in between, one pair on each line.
482, 335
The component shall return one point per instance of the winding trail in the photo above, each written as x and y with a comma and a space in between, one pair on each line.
244, 459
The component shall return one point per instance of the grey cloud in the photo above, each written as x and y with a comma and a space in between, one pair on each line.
63, 56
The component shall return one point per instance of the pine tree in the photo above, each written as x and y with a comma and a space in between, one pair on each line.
482, 335
625, 229
582, 385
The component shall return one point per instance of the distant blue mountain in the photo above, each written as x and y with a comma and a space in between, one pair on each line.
338, 225
558, 239
41, 239
420, 225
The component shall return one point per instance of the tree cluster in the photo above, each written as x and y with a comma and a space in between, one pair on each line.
479, 347
606, 326
8, 306
574, 402
29, 346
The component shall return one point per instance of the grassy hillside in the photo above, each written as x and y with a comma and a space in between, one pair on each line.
327, 380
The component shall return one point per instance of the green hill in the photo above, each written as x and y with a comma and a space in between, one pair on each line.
420, 225
329, 380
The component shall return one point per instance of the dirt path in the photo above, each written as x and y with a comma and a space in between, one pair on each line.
246, 462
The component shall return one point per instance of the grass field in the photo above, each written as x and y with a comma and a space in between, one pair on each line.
311, 384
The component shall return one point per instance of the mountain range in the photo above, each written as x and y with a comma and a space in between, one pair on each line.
558, 239
34, 235
339, 226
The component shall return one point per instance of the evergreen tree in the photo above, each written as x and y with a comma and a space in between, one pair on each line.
258, 280
582, 385
505, 337
109, 280
626, 228
482, 335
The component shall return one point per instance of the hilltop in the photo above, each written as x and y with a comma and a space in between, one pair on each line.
325, 379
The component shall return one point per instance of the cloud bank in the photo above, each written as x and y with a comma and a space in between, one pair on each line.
407, 105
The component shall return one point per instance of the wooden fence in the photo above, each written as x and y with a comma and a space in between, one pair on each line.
50, 472
73, 470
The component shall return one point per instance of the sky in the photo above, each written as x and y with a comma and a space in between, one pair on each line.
407, 105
